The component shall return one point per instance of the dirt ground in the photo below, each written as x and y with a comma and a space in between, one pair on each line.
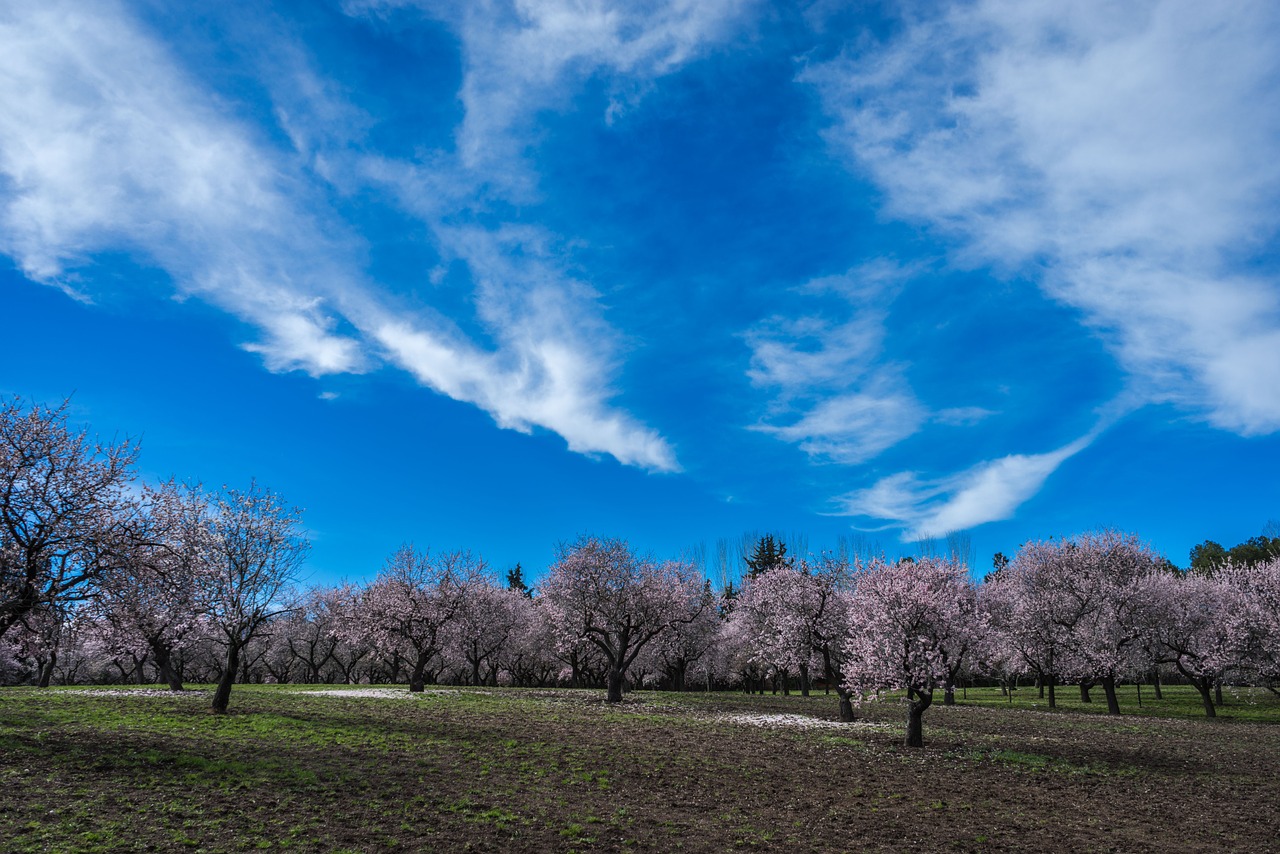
562, 771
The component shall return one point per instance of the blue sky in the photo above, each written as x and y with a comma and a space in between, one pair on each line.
491, 275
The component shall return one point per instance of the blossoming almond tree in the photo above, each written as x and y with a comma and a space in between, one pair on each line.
795, 617
685, 652
63, 509
774, 609
1104, 573
485, 624
1032, 611
908, 623
601, 593
254, 547
1200, 625
407, 608
149, 605
1260, 587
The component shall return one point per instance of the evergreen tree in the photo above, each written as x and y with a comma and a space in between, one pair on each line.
768, 553
515, 581
1207, 557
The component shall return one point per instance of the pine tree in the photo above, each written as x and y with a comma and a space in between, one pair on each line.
515, 581
769, 553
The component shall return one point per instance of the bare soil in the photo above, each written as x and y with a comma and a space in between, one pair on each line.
563, 771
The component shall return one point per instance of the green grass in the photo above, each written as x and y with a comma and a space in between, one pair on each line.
1179, 701
521, 770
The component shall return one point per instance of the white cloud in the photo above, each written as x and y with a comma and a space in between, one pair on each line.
988, 492
108, 145
1123, 152
555, 355
523, 56
556, 350
835, 396
852, 428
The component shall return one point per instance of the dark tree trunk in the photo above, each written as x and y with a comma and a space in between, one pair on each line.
396, 663
1053, 695
1040, 685
1202, 685
949, 695
46, 672
1085, 688
418, 678
915, 711
1155, 684
846, 705
1217, 693
1109, 689
616, 677
222, 696
804, 680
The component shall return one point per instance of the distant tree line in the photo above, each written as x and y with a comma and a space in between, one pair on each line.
104, 582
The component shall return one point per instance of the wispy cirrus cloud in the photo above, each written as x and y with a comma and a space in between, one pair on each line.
990, 491
1123, 154
107, 144
520, 58
836, 395
524, 56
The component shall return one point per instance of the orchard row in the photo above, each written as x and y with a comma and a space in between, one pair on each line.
100, 581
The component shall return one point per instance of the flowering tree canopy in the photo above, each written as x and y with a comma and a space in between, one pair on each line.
254, 546
909, 624
600, 592
63, 508
149, 605
407, 608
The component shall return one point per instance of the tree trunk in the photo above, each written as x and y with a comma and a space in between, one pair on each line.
1053, 695
1217, 693
222, 697
804, 680
915, 711
1203, 685
616, 677
1085, 688
396, 664
418, 679
1109, 688
164, 666
949, 695
46, 672
1155, 683
846, 704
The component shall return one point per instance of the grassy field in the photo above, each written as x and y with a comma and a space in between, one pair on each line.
300, 769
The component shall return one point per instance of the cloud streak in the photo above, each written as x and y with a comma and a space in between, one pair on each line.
988, 492
836, 396
108, 145
1121, 154
524, 56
